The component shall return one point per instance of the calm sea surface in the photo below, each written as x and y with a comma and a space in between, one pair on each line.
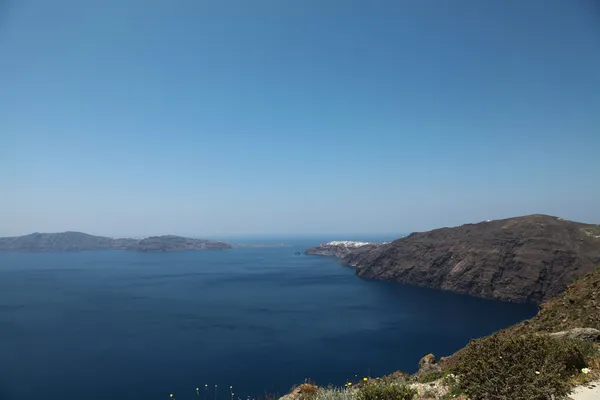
123, 326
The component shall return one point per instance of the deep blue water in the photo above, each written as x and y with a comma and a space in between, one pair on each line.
121, 326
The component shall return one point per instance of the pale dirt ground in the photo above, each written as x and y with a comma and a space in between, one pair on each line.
590, 391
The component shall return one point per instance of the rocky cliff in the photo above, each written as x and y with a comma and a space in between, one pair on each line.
523, 259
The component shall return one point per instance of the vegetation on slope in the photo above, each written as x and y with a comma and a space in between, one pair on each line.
519, 367
577, 307
521, 362
367, 389
524, 362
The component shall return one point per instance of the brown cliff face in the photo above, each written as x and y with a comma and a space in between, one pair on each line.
523, 259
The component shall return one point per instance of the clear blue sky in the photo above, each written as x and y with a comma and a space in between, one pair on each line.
138, 117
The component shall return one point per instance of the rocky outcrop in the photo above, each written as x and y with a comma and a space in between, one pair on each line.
304, 391
340, 249
427, 365
77, 241
581, 334
523, 259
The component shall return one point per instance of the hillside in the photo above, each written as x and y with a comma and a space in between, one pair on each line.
578, 306
521, 362
523, 259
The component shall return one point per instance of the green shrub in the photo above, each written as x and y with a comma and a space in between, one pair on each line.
453, 385
531, 367
431, 376
376, 390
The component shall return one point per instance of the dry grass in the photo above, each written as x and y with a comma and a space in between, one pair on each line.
335, 394
380, 390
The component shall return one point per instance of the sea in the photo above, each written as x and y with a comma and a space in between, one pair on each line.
246, 323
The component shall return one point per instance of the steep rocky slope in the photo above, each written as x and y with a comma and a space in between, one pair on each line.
525, 355
524, 259
529, 258
573, 314
577, 307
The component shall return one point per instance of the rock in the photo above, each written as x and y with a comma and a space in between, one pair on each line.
427, 365
293, 395
306, 390
432, 390
582, 334
523, 259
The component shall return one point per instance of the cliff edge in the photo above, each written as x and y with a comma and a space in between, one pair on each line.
522, 259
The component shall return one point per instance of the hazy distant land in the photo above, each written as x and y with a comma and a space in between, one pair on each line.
78, 241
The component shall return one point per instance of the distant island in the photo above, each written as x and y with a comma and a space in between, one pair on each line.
78, 241
523, 259
169, 243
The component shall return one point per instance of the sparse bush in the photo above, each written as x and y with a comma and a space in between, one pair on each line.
377, 390
335, 394
591, 352
431, 376
575, 308
531, 367
453, 385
